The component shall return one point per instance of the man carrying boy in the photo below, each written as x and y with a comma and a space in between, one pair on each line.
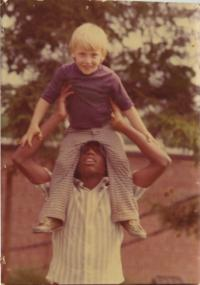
89, 115
87, 250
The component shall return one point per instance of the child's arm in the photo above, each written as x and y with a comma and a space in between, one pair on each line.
39, 112
158, 158
34, 129
23, 156
120, 97
135, 120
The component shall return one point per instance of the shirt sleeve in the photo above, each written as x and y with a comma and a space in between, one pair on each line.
138, 191
119, 94
53, 89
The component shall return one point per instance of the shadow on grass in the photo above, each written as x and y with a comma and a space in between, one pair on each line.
27, 276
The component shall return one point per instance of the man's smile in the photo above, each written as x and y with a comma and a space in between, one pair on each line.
89, 160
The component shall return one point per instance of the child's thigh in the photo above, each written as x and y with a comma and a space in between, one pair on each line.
71, 144
113, 143
67, 145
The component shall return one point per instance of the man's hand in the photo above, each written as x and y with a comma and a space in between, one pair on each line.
61, 111
117, 120
33, 130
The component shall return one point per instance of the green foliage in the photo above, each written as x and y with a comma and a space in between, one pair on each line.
176, 130
47, 24
23, 103
27, 276
183, 216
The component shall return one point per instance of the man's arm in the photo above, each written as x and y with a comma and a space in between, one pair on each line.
158, 158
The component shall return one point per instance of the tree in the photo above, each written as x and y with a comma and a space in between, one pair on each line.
37, 42
38, 38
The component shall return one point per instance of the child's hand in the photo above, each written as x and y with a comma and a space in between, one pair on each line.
117, 120
33, 130
66, 91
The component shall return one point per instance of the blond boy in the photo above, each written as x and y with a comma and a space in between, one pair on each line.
89, 116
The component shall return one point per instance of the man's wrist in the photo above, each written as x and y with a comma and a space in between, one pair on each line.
59, 116
34, 124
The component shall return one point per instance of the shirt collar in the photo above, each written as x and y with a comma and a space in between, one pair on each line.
104, 183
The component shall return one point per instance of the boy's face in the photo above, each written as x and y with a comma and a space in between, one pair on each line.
87, 60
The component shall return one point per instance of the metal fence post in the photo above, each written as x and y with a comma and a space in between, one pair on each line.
7, 213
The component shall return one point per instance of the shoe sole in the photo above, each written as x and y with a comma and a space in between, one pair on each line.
38, 231
136, 234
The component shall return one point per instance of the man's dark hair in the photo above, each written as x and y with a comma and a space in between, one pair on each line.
95, 145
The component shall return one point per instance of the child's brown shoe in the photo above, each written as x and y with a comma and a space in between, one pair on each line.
133, 227
48, 226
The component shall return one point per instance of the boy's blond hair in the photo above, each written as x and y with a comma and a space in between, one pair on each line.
89, 36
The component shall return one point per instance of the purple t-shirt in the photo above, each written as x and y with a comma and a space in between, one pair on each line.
89, 107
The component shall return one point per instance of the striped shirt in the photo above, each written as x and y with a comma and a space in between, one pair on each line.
88, 249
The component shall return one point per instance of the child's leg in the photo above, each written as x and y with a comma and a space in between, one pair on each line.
124, 206
63, 175
22, 157
123, 203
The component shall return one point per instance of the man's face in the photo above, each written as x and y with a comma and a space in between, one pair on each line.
87, 60
92, 161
